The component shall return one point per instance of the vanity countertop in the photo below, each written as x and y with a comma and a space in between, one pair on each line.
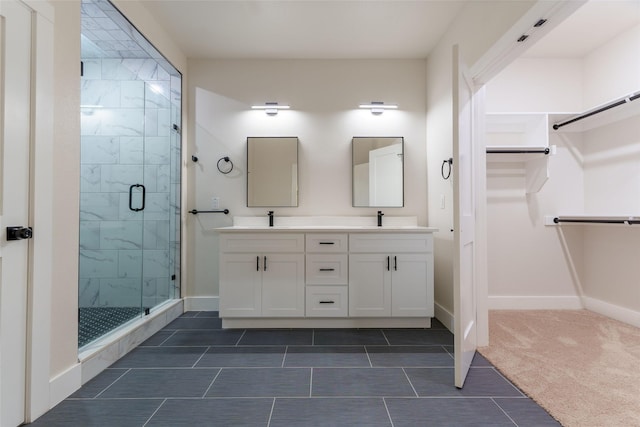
327, 228
362, 224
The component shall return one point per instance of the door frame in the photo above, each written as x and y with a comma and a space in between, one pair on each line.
40, 216
491, 63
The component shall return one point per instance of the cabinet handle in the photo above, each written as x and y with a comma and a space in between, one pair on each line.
265, 263
327, 243
395, 263
257, 263
326, 302
388, 263
327, 269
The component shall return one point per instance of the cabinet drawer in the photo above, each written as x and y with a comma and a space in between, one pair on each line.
327, 301
327, 269
260, 243
327, 242
390, 243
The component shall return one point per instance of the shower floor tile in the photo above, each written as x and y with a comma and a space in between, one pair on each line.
94, 322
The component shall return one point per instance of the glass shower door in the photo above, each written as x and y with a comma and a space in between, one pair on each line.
162, 208
111, 215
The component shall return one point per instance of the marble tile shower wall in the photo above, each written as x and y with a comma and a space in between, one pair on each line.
127, 257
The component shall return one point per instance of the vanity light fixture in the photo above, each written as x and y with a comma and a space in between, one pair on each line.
378, 107
271, 108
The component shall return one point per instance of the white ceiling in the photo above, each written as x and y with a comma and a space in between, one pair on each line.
591, 26
305, 29
355, 29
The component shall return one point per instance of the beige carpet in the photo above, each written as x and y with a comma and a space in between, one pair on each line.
583, 368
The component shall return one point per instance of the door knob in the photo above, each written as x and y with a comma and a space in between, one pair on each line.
19, 233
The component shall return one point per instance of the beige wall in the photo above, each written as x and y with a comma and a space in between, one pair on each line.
64, 293
324, 97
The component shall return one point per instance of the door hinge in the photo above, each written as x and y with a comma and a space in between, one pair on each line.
173, 277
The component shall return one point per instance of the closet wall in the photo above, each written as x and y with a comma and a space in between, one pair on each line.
595, 171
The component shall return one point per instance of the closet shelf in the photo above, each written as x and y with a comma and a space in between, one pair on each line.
591, 219
523, 138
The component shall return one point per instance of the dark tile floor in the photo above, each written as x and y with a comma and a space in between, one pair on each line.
193, 373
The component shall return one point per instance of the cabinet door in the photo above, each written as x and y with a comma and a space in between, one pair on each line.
412, 287
240, 287
369, 285
283, 285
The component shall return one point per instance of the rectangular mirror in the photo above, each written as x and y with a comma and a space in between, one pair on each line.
272, 172
378, 171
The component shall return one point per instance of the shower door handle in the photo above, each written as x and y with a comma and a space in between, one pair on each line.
144, 196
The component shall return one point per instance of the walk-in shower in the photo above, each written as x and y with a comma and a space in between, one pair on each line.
130, 174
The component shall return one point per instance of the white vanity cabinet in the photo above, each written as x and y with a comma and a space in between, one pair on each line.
327, 274
262, 275
391, 275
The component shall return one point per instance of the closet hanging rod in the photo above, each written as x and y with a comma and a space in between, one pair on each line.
606, 107
633, 221
196, 212
523, 151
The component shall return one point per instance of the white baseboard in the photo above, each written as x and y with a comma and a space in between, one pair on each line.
65, 384
201, 303
444, 316
616, 312
535, 303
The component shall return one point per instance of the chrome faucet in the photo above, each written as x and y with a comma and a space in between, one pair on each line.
380, 218
270, 214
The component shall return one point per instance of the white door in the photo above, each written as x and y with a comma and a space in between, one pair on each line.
385, 176
15, 139
464, 287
